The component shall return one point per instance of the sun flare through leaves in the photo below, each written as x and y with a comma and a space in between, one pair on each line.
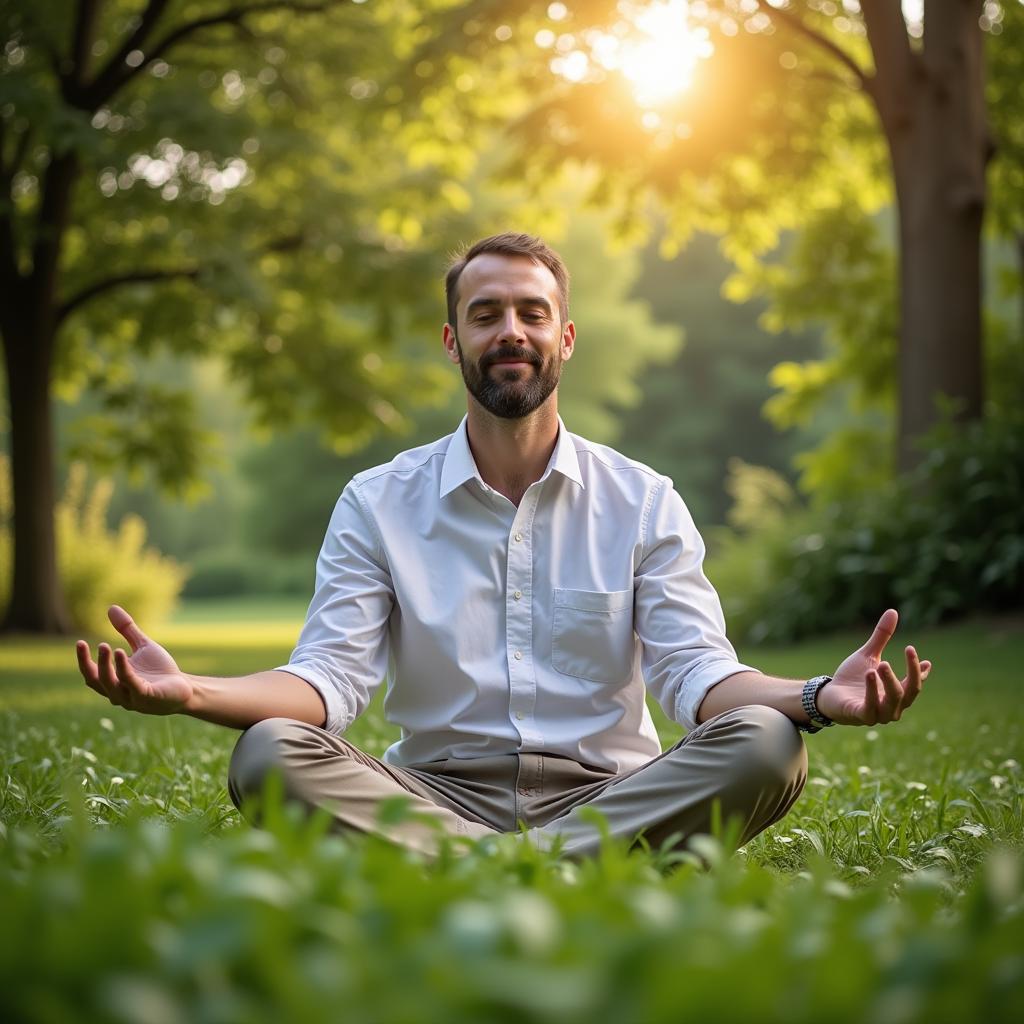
654, 46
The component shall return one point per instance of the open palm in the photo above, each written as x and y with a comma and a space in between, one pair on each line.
865, 690
148, 681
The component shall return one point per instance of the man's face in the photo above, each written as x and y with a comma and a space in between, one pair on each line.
510, 342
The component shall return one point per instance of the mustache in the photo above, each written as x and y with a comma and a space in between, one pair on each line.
510, 352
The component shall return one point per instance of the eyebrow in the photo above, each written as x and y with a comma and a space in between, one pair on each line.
529, 300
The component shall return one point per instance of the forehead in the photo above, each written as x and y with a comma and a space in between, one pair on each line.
506, 278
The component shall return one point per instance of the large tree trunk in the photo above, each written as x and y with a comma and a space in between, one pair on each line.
939, 142
37, 603
29, 324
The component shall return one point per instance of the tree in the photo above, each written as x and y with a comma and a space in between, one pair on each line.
800, 107
193, 176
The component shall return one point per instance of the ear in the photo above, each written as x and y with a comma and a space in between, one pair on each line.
451, 348
568, 340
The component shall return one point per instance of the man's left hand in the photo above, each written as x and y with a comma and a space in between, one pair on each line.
866, 690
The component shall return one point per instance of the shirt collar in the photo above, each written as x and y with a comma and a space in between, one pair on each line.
460, 466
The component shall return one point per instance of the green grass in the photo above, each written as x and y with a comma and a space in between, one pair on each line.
131, 891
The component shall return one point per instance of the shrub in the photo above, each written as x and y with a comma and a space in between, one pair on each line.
235, 572
97, 566
945, 540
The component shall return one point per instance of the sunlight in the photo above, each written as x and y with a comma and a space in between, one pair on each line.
660, 60
653, 46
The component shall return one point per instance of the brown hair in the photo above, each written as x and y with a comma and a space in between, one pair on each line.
509, 243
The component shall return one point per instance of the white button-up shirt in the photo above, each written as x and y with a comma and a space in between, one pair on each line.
502, 629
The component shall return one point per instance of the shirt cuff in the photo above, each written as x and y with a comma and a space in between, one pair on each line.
336, 702
698, 682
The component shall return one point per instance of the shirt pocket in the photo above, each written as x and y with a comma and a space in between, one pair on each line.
592, 634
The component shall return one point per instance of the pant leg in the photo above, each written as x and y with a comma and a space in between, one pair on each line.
322, 771
751, 760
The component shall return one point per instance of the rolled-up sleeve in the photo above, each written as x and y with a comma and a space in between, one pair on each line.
342, 651
677, 614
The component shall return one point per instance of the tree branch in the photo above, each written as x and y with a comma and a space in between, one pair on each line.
81, 41
96, 92
117, 73
119, 280
895, 62
797, 24
286, 243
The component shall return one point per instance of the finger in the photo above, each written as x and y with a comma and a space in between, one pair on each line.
87, 666
882, 633
890, 706
107, 675
926, 668
915, 676
125, 625
871, 698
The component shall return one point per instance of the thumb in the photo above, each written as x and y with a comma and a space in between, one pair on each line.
125, 625
882, 633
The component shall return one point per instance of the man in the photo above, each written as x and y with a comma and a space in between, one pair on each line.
518, 587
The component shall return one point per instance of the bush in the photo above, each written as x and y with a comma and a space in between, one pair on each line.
234, 573
97, 566
945, 540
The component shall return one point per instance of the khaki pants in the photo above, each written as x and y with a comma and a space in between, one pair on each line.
750, 760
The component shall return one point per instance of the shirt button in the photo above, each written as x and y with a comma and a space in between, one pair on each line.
519, 716
518, 595
518, 537
518, 655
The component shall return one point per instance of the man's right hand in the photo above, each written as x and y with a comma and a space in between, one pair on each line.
149, 681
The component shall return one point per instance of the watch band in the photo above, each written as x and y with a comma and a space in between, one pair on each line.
809, 702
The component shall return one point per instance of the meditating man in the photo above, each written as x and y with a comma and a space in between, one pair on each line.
517, 587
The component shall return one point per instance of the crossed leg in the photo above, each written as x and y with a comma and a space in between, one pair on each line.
323, 771
750, 761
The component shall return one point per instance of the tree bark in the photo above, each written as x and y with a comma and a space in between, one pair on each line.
29, 326
939, 143
37, 601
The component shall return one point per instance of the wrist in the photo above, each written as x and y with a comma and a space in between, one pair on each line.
195, 701
816, 720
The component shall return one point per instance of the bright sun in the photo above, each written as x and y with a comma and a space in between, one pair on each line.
661, 58
653, 46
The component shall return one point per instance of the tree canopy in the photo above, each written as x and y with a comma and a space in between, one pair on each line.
196, 176
809, 114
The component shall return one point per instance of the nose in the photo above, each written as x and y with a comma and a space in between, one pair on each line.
511, 327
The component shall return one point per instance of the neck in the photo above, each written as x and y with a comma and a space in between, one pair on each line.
512, 454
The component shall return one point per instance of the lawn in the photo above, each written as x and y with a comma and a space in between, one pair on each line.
132, 892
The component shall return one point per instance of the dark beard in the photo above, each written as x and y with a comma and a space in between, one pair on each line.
512, 394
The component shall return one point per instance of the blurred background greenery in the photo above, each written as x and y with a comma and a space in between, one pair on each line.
797, 279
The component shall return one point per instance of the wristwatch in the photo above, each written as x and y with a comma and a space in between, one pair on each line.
809, 702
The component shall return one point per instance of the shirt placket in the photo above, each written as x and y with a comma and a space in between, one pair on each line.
519, 621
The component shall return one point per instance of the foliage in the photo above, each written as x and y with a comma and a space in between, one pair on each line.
703, 408
789, 126
97, 566
131, 893
1005, 56
227, 571
195, 228
946, 540
153, 923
